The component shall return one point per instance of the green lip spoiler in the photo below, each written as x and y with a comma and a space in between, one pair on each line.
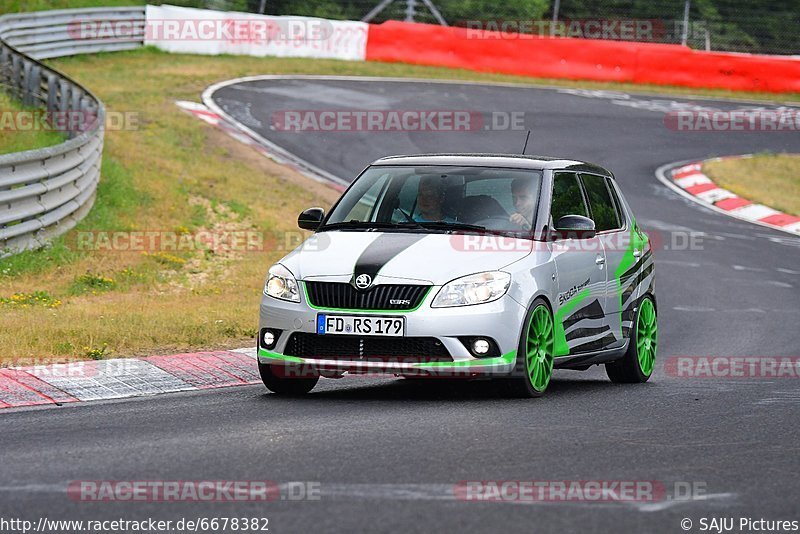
505, 359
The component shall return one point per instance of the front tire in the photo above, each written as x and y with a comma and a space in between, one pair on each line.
535, 352
637, 365
281, 380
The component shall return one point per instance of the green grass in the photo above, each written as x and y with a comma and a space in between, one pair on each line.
13, 140
21, 6
92, 283
769, 179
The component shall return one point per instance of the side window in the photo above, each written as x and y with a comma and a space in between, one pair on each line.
617, 203
604, 212
567, 197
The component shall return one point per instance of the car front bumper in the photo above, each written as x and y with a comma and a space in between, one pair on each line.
500, 320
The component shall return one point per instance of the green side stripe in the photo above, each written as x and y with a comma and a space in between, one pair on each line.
637, 241
560, 347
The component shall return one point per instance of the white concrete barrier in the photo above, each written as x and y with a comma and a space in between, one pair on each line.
200, 31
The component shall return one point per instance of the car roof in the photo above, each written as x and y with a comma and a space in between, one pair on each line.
518, 161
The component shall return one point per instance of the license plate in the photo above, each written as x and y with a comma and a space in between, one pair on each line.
360, 326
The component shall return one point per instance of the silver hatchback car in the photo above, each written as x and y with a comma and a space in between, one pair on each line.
468, 265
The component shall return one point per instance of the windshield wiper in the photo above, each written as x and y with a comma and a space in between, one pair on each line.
427, 225
444, 225
366, 225
459, 226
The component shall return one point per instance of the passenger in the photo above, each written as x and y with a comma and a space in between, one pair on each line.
524, 202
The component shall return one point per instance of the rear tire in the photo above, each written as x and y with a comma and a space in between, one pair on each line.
534, 366
281, 380
637, 365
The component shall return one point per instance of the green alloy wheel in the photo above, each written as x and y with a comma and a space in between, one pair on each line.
646, 337
535, 358
539, 348
639, 360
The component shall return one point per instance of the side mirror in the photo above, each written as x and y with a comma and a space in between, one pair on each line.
575, 227
311, 218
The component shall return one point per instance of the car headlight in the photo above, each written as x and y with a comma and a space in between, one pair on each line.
473, 289
281, 284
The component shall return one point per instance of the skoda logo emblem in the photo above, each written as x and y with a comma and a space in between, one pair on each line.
363, 281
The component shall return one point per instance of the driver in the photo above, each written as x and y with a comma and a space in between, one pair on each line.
524, 202
430, 197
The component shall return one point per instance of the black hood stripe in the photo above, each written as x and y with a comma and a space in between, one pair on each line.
381, 251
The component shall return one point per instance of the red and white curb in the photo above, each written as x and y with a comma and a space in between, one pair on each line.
60, 383
689, 181
251, 138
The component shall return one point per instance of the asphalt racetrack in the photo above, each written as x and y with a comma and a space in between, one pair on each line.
387, 452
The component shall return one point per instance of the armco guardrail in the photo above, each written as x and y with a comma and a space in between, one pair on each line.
68, 32
45, 192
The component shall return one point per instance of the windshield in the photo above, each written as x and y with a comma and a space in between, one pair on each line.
440, 198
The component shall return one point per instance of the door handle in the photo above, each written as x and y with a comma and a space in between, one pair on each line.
637, 253
599, 260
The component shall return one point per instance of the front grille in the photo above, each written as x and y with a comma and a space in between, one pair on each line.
344, 296
395, 349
